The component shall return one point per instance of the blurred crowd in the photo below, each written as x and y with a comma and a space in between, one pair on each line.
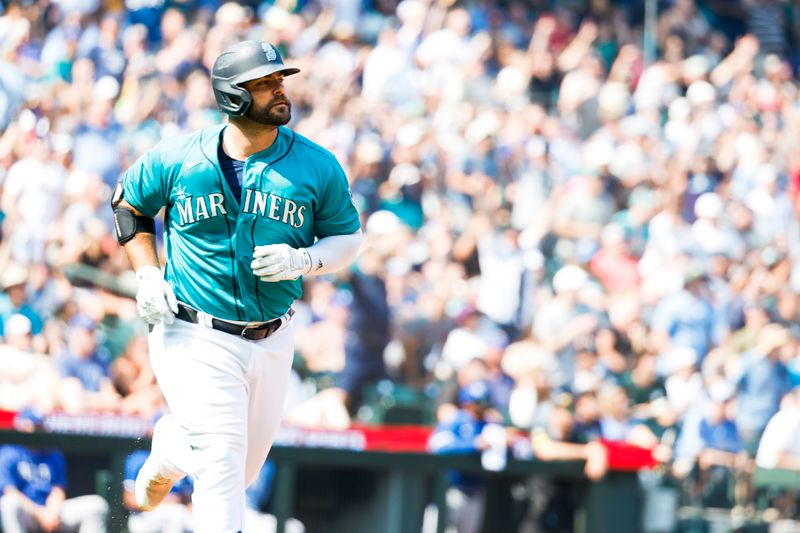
606, 237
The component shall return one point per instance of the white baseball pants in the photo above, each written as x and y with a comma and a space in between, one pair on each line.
226, 397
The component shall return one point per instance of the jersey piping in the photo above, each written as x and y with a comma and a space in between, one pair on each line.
231, 255
253, 227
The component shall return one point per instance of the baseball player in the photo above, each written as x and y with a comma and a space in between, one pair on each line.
250, 208
33, 496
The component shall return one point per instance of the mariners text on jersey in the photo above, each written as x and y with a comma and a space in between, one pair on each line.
292, 192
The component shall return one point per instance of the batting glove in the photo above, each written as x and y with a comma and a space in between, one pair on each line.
279, 262
155, 299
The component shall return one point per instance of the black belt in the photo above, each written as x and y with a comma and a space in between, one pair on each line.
257, 332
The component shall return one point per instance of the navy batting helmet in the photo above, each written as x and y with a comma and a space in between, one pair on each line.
241, 62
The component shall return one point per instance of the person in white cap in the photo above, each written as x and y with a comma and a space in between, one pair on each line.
14, 298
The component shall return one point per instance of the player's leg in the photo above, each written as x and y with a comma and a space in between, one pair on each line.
202, 375
15, 519
86, 514
268, 377
171, 458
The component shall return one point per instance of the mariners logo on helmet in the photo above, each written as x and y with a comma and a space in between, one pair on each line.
270, 51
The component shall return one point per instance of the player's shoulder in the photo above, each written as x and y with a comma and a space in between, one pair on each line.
173, 151
309, 150
11, 450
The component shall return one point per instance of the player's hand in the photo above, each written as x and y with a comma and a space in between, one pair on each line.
279, 262
155, 299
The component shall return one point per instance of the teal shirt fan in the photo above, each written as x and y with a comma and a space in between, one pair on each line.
292, 192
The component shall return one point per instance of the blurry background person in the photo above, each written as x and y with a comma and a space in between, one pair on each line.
779, 446
462, 433
83, 365
28, 380
33, 484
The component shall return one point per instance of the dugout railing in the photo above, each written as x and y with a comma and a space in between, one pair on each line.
364, 491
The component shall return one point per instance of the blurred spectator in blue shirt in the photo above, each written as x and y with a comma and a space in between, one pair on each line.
96, 148
710, 447
708, 434
106, 54
762, 381
685, 318
33, 485
86, 385
368, 326
462, 434
147, 13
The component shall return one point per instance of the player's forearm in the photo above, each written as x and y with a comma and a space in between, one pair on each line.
333, 253
141, 249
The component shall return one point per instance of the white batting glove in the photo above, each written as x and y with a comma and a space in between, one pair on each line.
279, 262
155, 299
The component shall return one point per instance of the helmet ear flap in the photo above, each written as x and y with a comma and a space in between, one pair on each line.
231, 98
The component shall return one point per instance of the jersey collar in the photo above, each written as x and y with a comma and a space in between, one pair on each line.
212, 141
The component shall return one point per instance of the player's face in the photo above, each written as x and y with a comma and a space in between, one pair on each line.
270, 105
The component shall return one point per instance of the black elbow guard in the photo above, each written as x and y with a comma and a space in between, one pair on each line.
128, 224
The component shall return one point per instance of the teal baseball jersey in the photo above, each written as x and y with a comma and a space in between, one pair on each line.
292, 192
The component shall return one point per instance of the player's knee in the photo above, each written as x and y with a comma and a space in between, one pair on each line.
97, 506
225, 458
10, 504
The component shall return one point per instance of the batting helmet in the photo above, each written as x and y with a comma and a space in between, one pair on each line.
241, 62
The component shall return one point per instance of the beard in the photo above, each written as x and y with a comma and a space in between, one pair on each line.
271, 114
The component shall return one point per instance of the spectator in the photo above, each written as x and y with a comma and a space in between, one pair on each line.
468, 341
368, 327
643, 385
656, 194
779, 446
761, 382
613, 264
33, 483
718, 440
463, 435
86, 385
563, 439
133, 379
616, 422
686, 317
15, 298
710, 440
685, 385
28, 380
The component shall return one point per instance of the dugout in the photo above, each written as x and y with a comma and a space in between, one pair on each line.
345, 490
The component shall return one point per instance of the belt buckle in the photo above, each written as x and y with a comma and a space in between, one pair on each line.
247, 327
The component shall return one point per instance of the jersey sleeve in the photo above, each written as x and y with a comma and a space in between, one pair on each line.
145, 183
336, 214
59, 469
